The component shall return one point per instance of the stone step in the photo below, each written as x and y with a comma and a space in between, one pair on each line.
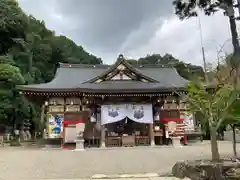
150, 178
119, 176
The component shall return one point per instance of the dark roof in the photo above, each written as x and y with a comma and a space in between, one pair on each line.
71, 77
125, 87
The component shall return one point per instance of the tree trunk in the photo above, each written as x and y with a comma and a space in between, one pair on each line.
234, 34
214, 144
234, 141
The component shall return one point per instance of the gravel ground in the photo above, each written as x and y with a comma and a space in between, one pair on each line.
29, 164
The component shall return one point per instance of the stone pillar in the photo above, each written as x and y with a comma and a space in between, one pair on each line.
102, 143
151, 135
79, 139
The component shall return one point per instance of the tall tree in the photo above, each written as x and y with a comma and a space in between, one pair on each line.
10, 76
187, 71
30, 53
13, 24
189, 8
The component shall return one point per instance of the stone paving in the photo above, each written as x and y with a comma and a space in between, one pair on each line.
29, 164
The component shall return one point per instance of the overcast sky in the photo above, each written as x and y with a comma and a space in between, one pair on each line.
134, 28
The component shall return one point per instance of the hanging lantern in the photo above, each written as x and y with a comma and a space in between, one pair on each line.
46, 103
98, 126
156, 128
93, 118
156, 117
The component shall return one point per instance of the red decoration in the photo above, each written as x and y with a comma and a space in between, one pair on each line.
166, 120
64, 146
72, 121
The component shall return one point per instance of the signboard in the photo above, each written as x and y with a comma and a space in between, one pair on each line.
188, 121
54, 125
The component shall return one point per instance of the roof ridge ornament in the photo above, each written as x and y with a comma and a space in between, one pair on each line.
121, 56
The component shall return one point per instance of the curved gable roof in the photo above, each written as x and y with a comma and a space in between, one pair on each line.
81, 77
68, 76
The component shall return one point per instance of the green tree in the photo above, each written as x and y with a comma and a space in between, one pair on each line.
29, 54
187, 71
233, 119
188, 8
214, 104
13, 24
10, 76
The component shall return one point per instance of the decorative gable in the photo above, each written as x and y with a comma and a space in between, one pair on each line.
121, 67
121, 76
122, 70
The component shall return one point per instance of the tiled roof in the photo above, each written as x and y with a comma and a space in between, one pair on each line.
76, 76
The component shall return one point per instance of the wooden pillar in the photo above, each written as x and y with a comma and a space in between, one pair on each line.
151, 135
102, 137
42, 122
42, 114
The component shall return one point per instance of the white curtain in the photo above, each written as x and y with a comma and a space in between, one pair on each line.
112, 113
141, 113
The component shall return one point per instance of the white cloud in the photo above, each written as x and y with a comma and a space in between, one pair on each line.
182, 39
135, 32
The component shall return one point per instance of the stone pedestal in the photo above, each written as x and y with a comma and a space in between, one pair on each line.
151, 135
176, 141
152, 143
103, 145
79, 145
102, 141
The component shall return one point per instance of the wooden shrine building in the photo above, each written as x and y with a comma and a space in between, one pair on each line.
121, 104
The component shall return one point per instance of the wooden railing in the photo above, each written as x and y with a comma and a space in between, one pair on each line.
142, 140
113, 141
127, 141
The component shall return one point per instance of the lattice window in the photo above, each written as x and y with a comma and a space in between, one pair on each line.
73, 101
56, 101
170, 114
56, 108
72, 108
170, 106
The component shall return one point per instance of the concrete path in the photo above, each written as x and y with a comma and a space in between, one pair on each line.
39, 164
